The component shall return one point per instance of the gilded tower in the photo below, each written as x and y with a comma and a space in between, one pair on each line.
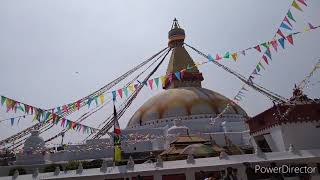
180, 62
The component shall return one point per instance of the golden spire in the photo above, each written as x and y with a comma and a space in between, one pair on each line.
180, 61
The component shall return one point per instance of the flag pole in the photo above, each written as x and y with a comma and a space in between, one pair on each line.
116, 137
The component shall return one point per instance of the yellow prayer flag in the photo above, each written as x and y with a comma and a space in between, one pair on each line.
102, 98
294, 4
234, 56
131, 88
163, 80
117, 153
34, 118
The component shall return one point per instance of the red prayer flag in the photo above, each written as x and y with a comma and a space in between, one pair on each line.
290, 39
265, 59
65, 108
78, 104
218, 57
73, 125
120, 92
302, 2
280, 33
274, 44
287, 20
150, 83
257, 47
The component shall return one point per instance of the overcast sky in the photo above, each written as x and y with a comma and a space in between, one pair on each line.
43, 44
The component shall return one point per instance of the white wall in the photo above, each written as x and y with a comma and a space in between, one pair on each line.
302, 135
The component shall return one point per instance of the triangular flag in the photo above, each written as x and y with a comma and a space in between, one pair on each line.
289, 14
189, 67
243, 52
226, 55
290, 39
57, 120
125, 90
59, 110
302, 2
120, 92
20, 107
268, 53
274, 44
210, 58
163, 80
131, 88
89, 101
280, 33
265, 59
218, 57
150, 83
178, 75
27, 108
8, 104
114, 95
156, 81
3, 100
283, 25
46, 116
63, 122
254, 72
73, 125
311, 26
182, 73
258, 68
234, 56
68, 125
287, 20
96, 100
102, 98
78, 104
31, 110
261, 65
295, 5
265, 44
144, 83
65, 108
54, 116
257, 47
281, 41
12, 121
136, 86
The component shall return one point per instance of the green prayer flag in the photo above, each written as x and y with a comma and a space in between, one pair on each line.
266, 45
289, 14
156, 81
3, 100
226, 55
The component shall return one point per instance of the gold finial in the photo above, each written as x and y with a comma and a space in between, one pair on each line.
176, 34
